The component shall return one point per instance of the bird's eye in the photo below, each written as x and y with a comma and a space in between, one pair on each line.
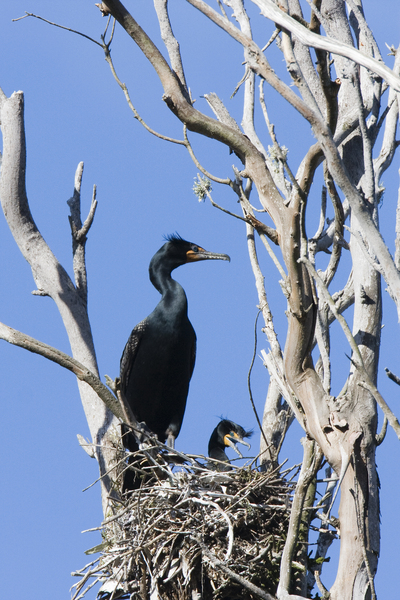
195, 248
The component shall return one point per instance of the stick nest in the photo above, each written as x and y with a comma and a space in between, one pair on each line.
190, 532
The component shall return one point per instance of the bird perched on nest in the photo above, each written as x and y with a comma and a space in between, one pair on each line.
158, 359
227, 433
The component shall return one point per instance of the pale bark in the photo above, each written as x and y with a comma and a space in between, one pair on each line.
50, 277
346, 436
271, 10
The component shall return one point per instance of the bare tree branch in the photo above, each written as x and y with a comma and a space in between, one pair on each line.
324, 136
271, 11
79, 233
17, 338
27, 14
357, 358
392, 376
170, 41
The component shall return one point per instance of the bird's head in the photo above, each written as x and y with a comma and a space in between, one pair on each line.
227, 433
180, 252
174, 253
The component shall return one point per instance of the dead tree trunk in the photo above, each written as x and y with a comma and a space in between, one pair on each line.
50, 277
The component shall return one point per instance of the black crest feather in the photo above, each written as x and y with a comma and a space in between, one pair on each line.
174, 237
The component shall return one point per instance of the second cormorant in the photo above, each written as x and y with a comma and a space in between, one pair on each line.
227, 433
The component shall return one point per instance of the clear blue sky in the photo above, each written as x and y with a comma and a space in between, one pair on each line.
75, 112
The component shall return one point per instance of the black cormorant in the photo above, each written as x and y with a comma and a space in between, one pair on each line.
227, 433
158, 359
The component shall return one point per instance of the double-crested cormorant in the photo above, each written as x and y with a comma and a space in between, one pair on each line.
227, 433
158, 359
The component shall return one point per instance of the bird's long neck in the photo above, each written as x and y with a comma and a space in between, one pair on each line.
216, 447
172, 292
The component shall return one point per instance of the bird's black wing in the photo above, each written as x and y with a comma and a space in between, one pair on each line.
130, 352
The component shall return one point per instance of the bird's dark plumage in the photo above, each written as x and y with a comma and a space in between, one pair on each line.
158, 359
227, 433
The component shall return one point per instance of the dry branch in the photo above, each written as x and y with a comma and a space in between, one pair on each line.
17, 338
357, 358
307, 37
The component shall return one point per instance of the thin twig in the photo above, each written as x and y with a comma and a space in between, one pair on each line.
27, 14
325, 593
129, 101
189, 148
89, 219
271, 39
273, 257
249, 382
225, 210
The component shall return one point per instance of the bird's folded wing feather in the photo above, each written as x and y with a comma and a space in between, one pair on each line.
130, 351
